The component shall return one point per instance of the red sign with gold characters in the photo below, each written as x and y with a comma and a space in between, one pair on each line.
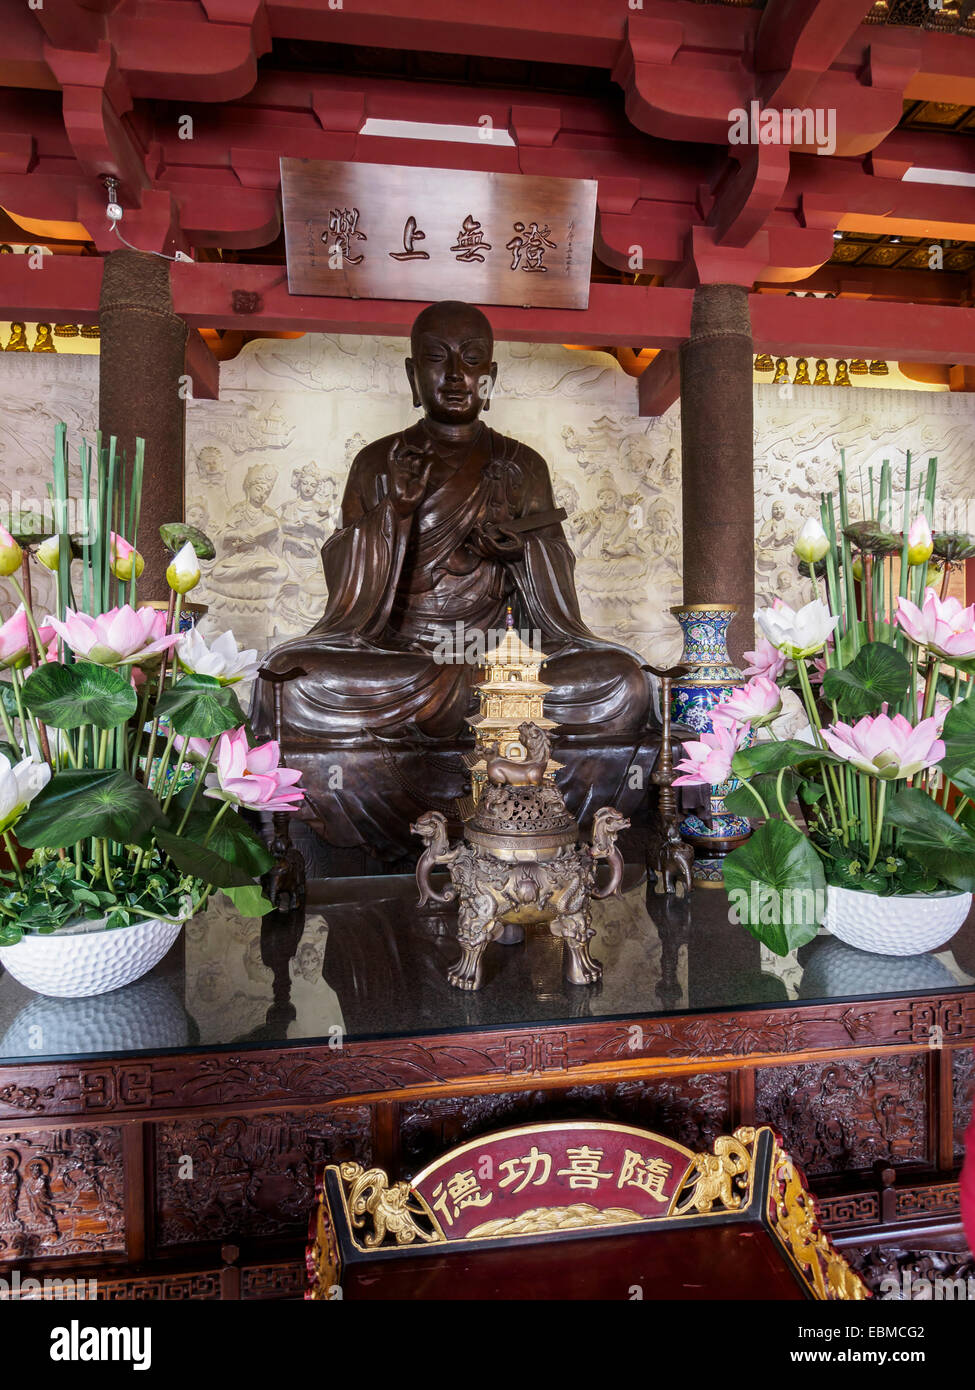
552, 1177
378, 231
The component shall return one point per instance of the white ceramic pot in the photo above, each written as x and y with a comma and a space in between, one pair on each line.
86, 960
894, 926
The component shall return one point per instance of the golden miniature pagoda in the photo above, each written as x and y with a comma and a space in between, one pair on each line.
511, 694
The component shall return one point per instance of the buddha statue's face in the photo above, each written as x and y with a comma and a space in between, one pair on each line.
451, 371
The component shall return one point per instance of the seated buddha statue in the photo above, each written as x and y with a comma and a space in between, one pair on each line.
436, 530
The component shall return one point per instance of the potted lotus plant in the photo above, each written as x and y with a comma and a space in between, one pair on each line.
126, 763
867, 821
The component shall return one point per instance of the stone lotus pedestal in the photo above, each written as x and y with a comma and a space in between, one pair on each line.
521, 862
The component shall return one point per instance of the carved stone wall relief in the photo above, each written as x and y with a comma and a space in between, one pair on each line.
266, 463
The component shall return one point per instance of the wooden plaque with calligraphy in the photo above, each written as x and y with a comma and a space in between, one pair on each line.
378, 231
735, 1222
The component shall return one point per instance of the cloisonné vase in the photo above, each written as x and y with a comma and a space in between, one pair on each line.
712, 675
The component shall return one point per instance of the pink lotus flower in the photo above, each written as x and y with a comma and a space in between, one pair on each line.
14, 648
920, 542
758, 702
251, 776
943, 626
886, 748
123, 558
709, 758
192, 750
116, 638
939, 714
766, 661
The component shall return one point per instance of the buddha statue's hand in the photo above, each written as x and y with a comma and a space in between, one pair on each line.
496, 543
409, 469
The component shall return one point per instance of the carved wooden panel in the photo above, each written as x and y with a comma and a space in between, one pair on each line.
60, 1192
843, 1116
248, 1176
962, 1094
315, 1075
169, 1288
899, 1273
693, 1109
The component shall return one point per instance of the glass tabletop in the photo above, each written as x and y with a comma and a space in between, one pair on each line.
364, 962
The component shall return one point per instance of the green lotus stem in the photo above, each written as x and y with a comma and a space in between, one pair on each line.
160, 781
957, 812
226, 807
105, 862
15, 584
102, 748
781, 800
756, 794
17, 683
877, 826
8, 840
810, 703
199, 783
140, 724
931, 687
7, 726
175, 628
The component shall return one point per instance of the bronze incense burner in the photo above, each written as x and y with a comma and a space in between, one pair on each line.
520, 861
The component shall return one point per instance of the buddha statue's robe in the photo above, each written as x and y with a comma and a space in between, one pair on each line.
375, 659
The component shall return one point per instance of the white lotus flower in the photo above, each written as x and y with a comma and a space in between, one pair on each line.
222, 659
812, 543
797, 632
183, 572
19, 784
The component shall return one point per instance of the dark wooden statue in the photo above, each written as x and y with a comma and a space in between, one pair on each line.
446, 522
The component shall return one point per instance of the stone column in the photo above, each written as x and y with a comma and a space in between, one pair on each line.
717, 451
143, 353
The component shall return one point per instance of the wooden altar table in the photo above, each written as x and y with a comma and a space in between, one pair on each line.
164, 1139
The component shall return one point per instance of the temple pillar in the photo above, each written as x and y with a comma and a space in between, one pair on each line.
143, 353
717, 451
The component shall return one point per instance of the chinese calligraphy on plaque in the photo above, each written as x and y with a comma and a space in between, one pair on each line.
491, 1185
390, 232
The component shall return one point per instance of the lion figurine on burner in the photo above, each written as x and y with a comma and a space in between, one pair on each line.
521, 862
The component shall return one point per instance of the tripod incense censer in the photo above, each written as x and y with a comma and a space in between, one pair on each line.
520, 861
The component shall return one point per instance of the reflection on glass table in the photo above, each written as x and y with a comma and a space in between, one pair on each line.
364, 961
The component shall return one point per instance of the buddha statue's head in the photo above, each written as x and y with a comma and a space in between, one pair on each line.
450, 369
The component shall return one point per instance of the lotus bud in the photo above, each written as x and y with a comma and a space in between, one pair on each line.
10, 554
858, 570
49, 552
124, 558
920, 542
813, 542
183, 574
